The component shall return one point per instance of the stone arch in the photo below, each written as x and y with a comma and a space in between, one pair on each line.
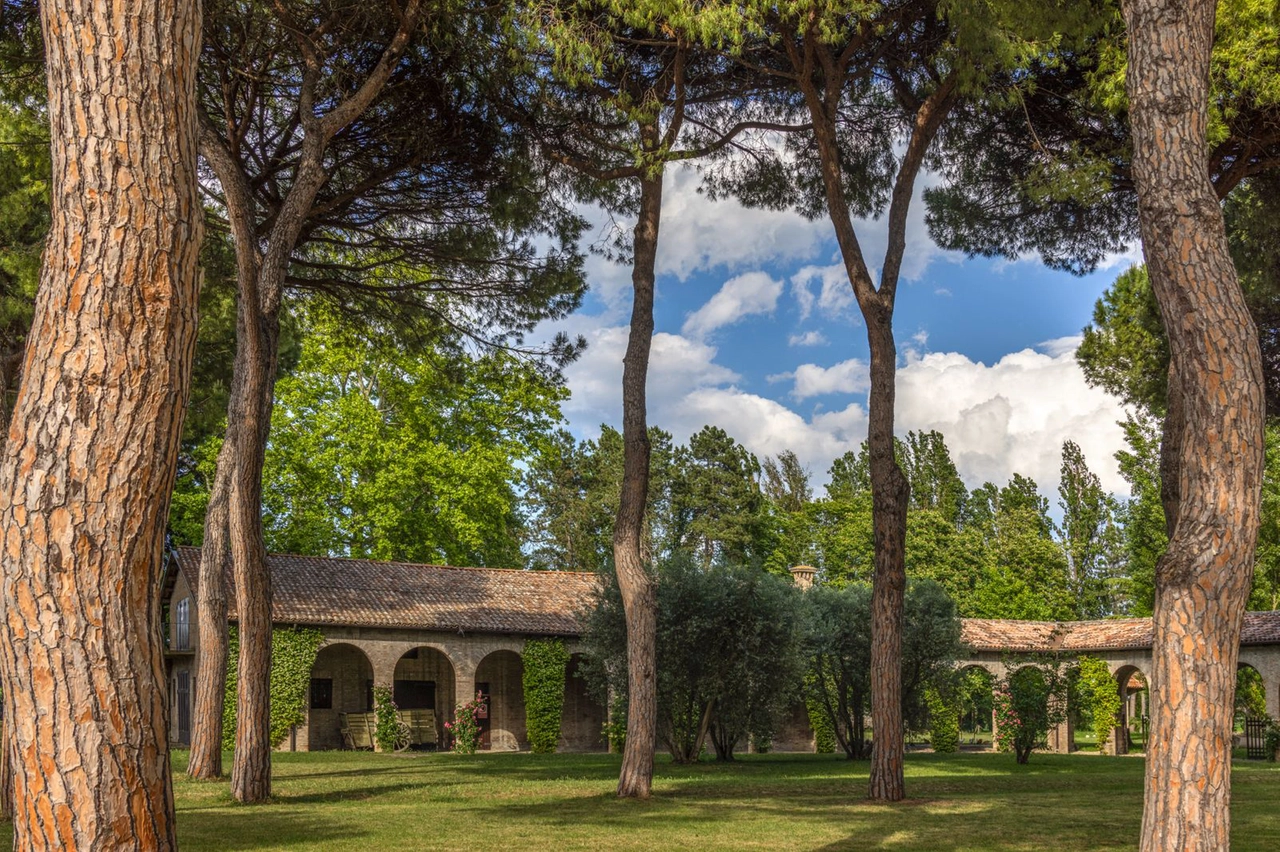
341, 682
582, 718
424, 678
1249, 678
500, 680
978, 715
1133, 685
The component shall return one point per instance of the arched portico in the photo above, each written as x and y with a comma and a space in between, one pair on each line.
582, 718
499, 680
341, 682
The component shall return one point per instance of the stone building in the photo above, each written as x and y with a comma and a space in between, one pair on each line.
437, 636
1124, 644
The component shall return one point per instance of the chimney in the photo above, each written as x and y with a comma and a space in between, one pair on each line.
804, 575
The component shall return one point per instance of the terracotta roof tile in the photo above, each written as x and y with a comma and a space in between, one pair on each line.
366, 593
981, 634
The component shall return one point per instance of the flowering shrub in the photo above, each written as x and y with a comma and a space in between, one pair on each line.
1027, 704
465, 727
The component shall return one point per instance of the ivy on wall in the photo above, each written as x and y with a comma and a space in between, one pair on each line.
388, 723
545, 664
824, 734
293, 655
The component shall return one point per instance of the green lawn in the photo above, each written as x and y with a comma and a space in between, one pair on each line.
345, 801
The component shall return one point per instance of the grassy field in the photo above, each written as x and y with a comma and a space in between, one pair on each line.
359, 801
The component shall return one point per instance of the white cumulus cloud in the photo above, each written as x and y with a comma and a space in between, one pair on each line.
850, 376
809, 338
745, 295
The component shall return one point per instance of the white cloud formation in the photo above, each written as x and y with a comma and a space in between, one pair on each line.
835, 295
998, 419
809, 338
699, 233
745, 295
852, 376
1014, 415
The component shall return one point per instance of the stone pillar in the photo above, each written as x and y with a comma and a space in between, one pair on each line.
1271, 688
464, 674
1062, 738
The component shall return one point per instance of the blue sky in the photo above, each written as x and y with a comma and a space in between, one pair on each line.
757, 332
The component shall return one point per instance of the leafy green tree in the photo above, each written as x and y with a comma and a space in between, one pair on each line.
1142, 518
728, 653
837, 644
935, 482
407, 453
717, 501
1090, 536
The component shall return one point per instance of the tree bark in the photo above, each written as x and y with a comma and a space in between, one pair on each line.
251, 766
93, 442
890, 493
639, 593
890, 490
1212, 457
262, 263
211, 629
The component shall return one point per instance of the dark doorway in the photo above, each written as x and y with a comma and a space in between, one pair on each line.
415, 694
183, 702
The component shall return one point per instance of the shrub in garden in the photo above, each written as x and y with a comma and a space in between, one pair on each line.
1028, 703
944, 721
728, 654
545, 664
837, 646
465, 727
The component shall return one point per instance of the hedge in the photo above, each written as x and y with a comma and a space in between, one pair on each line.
545, 665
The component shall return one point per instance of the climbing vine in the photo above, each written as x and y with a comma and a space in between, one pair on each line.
1098, 693
545, 664
293, 654
387, 729
615, 724
824, 734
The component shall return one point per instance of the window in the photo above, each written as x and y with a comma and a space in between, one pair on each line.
321, 693
182, 625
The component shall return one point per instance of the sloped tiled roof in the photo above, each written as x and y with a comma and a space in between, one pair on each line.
365, 593
981, 634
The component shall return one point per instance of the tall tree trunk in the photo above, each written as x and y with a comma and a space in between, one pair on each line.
639, 593
251, 766
211, 628
1213, 451
93, 441
889, 495
890, 490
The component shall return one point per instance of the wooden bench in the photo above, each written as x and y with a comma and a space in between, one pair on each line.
416, 727
357, 729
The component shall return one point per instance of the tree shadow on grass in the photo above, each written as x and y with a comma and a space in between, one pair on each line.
265, 827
